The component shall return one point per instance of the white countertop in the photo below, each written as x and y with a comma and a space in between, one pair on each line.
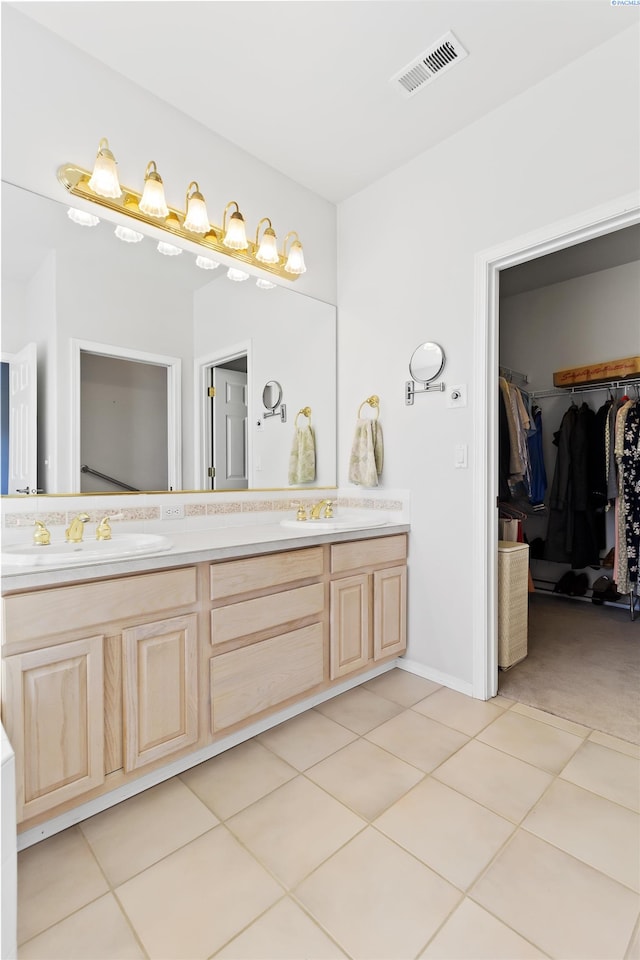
222, 543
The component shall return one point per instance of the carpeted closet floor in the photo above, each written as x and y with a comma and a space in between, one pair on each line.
583, 664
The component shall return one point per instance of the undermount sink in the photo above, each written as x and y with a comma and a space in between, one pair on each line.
332, 525
89, 551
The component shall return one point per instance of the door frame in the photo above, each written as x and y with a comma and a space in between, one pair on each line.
619, 213
201, 365
173, 367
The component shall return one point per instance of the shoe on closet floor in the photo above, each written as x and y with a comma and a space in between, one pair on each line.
565, 583
580, 585
604, 589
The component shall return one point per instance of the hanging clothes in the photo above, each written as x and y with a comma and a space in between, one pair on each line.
538, 486
627, 454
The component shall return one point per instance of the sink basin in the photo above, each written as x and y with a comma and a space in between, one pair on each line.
334, 525
89, 551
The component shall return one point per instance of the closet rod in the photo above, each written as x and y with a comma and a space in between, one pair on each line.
510, 374
587, 388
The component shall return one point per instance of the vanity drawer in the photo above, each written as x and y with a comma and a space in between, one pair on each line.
368, 553
250, 616
248, 681
28, 616
257, 573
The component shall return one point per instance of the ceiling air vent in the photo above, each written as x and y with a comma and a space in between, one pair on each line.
440, 57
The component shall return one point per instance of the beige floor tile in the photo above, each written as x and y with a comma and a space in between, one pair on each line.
98, 931
359, 710
198, 898
365, 778
612, 774
140, 831
471, 933
377, 901
55, 877
623, 746
236, 778
538, 743
306, 739
284, 932
596, 831
503, 702
423, 742
294, 829
453, 835
559, 904
502, 783
545, 717
401, 686
458, 711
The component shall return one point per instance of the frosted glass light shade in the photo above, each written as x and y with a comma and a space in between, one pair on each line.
268, 251
196, 220
82, 218
236, 237
295, 262
153, 202
264, 284
104, 179
206, 264
237, 275
129, 236
168, 249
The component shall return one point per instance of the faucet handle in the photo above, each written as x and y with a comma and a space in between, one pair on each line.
41, 536
103, 530
328, 510
302, 513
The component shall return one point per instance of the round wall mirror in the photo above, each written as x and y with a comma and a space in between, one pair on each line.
427, 362
272, 394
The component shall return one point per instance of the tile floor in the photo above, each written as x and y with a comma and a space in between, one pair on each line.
399, 820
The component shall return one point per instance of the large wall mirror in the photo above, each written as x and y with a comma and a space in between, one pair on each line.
124, 369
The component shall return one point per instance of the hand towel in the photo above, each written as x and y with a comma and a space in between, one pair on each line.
302, 461
365, 465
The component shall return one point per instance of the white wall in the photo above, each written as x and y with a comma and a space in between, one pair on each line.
564, 146
293, 341
57, 103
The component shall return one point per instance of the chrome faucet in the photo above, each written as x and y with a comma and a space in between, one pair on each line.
317, 508
74, 531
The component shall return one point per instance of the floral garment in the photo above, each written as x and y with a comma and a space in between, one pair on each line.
628, 457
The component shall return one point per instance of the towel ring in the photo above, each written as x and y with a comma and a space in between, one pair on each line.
306, 412
374, 402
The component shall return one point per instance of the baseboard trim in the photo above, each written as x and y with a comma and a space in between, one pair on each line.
419, 669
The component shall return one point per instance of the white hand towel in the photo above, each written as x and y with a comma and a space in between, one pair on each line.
367, 454
302, 461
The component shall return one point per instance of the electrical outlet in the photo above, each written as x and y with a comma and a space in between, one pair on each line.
173, 512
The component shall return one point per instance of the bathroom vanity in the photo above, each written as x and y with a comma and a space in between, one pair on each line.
113, 671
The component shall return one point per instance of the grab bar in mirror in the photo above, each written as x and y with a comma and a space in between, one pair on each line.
103, 476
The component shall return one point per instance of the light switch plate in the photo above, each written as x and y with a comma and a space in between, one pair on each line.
460, 456
457, 396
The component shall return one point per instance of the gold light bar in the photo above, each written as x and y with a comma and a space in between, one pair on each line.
76, 180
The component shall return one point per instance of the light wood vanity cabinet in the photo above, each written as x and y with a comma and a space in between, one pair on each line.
106, 680
369, 605
268, 627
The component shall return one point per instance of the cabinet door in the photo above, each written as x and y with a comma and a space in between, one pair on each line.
389, 612
54, 717
160, 689
349, 624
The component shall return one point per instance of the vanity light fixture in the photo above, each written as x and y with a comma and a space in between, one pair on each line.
206, 264
264, 284
267, 248
196, 220
82, 218
234, 235
150, 207
295, 260
238, 275
169, 249
129, 236
153, 202
104, 179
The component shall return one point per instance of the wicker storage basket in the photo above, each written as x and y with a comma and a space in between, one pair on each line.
513, 602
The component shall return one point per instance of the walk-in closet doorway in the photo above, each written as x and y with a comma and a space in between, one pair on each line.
489, 264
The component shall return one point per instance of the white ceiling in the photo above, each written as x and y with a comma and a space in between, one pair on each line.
304, 85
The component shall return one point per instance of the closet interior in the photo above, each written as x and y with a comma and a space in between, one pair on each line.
569, 465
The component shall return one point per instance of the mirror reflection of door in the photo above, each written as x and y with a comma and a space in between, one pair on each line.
19, 443
123, 424
228, 423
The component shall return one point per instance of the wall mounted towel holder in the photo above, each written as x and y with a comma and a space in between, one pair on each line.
304, 412
374, 403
